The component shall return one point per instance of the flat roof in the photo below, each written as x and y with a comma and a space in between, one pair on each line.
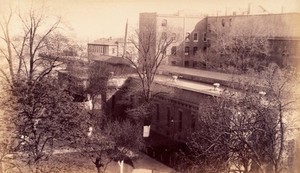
189, 85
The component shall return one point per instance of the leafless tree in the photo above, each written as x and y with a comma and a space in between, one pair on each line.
151, 47
247, 130
237, 48
7, 52
23, 49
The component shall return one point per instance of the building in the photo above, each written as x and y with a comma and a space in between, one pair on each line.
195, 34
177, 26
105, 48
281, 30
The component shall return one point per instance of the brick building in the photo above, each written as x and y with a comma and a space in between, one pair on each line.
177, 25
281, 30
196, 34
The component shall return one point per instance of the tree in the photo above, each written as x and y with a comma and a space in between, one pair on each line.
46, 116
23, 50
7, 52
247, 130
114, 141
151, 47
237, 47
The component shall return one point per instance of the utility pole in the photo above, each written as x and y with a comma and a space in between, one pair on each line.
125, 39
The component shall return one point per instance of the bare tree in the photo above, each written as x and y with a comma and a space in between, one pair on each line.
23, 50
7, 52
237, 48
151, 47
247, 131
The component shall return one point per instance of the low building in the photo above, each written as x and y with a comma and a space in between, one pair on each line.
105, 48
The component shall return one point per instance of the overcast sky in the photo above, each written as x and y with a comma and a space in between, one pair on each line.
92, 19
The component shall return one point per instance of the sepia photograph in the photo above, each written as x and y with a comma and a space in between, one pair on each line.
149, 86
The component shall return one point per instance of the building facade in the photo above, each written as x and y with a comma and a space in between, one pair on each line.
177, 26
197, 34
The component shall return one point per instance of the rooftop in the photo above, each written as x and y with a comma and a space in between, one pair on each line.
108, 41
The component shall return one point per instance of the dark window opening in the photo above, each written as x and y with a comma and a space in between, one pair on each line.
195, 49
173, 62
193, 125
131, 99
204, 49
195, 36
173, 50
180, 121
186, 63
186, 50
195, 64
204, 37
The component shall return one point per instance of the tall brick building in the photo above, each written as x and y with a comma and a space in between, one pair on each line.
177, 25
196, 34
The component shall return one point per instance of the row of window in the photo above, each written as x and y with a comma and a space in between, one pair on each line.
179, 122
98, 49
188, 37
187, 50
164, 36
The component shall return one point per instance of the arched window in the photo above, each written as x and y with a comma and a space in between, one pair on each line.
187, 36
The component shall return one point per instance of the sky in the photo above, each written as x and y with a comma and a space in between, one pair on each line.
92, 19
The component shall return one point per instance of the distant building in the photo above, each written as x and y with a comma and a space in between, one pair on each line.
177, 25
196, 34
281, 30
105, 48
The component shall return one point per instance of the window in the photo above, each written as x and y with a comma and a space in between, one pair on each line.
193, 122
186, 63
204, 37
195, 36
186, 50
208, 28
131, 99
168, 117
195, 63
157, 112
113, 50
164, 22
223, 22
187, 36
195, 49
173, 50
180, 121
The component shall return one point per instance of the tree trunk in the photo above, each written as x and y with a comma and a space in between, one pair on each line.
98, 164
121, 164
